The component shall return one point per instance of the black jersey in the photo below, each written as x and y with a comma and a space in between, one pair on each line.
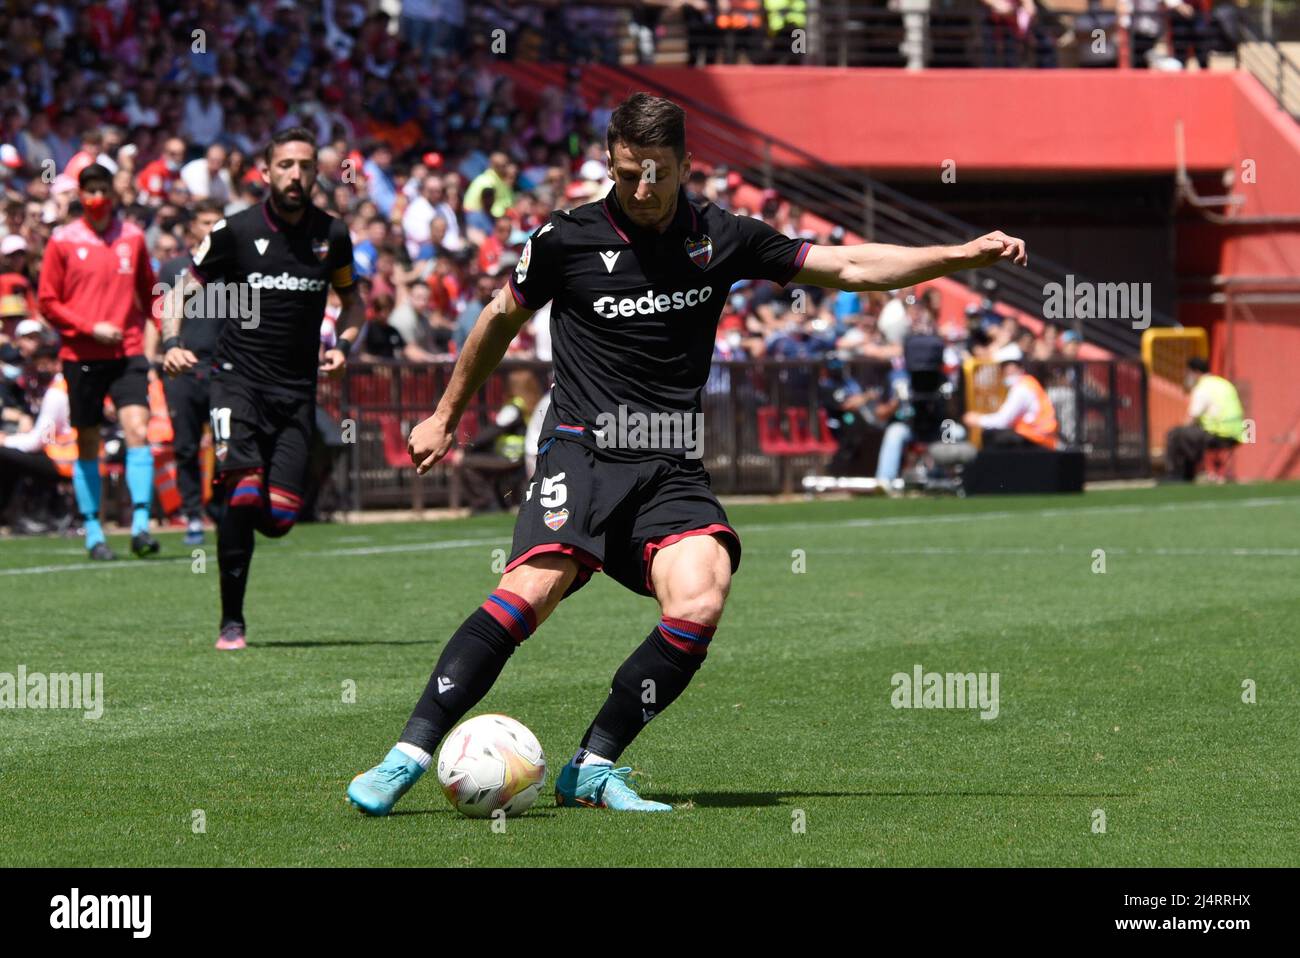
634, 311
280, 273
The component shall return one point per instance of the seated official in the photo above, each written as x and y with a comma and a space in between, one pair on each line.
1214, 418
1026, 419
42, 456
844, 402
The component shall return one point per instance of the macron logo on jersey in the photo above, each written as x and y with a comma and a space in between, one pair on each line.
296, 284
649, 304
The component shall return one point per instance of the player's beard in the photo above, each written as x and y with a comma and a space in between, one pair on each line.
288, 200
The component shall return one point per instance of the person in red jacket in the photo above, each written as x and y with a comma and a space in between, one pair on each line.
156, 179
97, 289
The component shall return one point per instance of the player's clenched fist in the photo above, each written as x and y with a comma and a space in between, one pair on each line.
991, 247
429, 442
177, 360
333, 362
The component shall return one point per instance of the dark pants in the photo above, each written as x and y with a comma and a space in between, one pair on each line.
702, 37
1184, 448
1190, 34
187, 401
489, 479
1007, 439
34, 468
1140, 45
852, 438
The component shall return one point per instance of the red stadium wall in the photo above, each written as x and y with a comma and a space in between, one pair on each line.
996, 120
1063, 122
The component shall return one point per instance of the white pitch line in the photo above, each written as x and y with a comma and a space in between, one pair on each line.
868, 549
100, 566
411, 547
1006, 514
439, 545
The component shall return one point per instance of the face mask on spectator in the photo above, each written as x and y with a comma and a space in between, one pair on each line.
96, 206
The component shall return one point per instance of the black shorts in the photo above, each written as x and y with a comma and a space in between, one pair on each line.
613, 516
90, 380
258, 428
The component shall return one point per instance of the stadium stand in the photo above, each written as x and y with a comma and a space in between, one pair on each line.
442, 157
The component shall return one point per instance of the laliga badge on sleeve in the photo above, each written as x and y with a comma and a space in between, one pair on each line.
521, 268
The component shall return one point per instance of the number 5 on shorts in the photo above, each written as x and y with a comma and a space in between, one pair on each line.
554, 492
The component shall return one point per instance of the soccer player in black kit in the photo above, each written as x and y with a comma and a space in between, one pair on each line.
271, 267
637, 282
187, 393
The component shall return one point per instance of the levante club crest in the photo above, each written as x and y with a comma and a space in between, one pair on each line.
700, 250
321, 248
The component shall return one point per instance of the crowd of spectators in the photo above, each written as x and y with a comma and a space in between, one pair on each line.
431, 162
426, 153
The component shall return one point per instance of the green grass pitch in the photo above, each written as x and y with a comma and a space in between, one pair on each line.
1119, 691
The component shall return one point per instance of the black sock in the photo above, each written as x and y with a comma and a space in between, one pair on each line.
235, 528
468, 667
647, 683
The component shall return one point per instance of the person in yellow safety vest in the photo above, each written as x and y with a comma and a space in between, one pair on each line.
493, 465
1214, 418
1026, 418
783, 18
44, 454
785, 15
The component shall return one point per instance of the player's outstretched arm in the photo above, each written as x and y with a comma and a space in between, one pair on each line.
878, 266
496, 326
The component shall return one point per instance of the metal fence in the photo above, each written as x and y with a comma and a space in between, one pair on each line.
763, 428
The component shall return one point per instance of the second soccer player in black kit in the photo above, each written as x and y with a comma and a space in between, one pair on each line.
187, 394
637, 282
271, 267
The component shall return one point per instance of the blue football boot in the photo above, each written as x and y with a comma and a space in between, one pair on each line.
601, 786
376, 792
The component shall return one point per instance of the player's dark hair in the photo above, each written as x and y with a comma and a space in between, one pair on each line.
209, 206
294, 134
646, 120
95, 174
1198, 364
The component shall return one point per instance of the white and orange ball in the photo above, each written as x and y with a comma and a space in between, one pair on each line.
491, 762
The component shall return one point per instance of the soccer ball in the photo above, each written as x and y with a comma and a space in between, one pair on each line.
491, 762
